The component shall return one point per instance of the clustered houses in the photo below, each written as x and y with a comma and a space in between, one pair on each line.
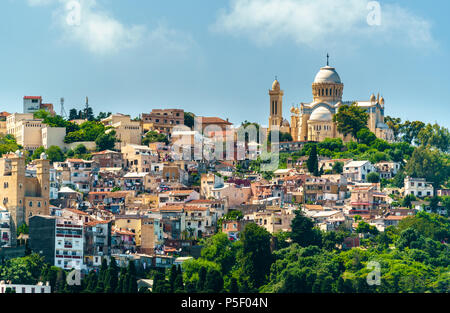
146, 204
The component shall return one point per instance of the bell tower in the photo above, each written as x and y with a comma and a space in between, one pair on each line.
276, 105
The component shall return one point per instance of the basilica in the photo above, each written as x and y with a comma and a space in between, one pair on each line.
314, 121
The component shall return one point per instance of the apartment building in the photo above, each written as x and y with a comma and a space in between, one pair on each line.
418, 187
75, 172
366, 198
208, 182
59, 240
139, 158
26, 129
387, 170
127, 130
357, 171
198, 221
97, 241
108, 159
163, 120
177, 197
148, 230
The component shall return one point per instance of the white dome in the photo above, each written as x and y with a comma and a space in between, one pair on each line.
327, 74
321, 114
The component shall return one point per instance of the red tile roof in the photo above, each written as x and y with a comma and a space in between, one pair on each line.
32, 97
213, 120
94, 223
77, 211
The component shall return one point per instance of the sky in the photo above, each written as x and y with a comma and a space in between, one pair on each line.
219, 58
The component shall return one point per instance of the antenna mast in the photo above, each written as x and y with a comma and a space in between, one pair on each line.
63, 111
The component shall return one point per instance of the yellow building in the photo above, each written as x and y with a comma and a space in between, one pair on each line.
21, 195
147, 230
127, 130
313, 121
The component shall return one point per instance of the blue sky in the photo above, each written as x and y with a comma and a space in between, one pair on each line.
219, 58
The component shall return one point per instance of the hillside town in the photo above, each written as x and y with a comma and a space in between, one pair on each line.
80, 190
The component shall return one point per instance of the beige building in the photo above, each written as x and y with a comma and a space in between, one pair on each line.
26, 129
53, 136
313, 121
21, 195
127, 130
139, 158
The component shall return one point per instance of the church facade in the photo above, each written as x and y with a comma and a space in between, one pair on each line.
313, 121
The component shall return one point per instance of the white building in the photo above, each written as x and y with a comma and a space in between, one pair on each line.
418, 187
39, 288
69, 242
5, 231
31, 104
357, 171
53, 136
387, 170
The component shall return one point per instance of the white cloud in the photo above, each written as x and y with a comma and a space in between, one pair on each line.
320, 22
88, 25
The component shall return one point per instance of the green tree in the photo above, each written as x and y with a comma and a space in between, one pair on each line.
313, 163
395, 124
365, 136
435, 136
8, 144
154, 136
55, 154
37, 153
73, 114
189, 119
410, 131
22, 229
214, 281
350, 119
338, 167
80, 149
220, 250
373, 177
429, 164
255, 258
303, 231
106, 141
111, 278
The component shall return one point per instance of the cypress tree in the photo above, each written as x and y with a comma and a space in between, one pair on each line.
120, 284
172, 277
111, 278
201, 279
92, 282
131, 278
313, 163
234, 288
214, 281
